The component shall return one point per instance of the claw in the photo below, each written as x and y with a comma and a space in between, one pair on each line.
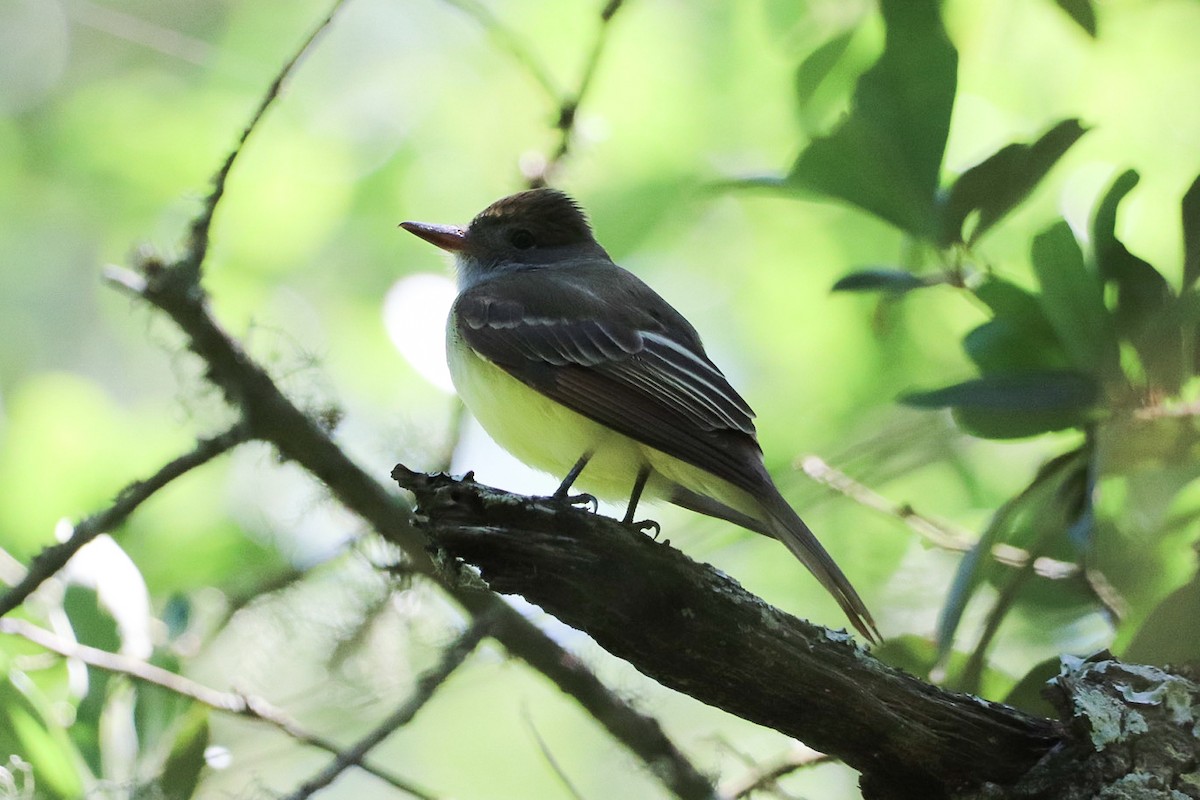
647, 526
583, 499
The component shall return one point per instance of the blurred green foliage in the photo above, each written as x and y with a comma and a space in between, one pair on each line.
1007, 186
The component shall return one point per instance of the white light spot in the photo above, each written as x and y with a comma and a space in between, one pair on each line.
414, 313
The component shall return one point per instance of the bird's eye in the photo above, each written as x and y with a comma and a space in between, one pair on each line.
521, 239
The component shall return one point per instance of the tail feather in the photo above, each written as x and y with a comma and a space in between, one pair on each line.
780, 522
788, 528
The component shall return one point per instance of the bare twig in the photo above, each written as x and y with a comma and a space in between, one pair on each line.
765, 776
198, 246
569, 108
937, 533
548, 754
427, 684
510, 43
240, 705
1168, 411
55, 557
141, 31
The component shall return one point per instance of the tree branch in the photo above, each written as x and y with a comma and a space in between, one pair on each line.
198, 245
271, 417
937, 533
253, 708
427, 684
693, 629
55, 557
569, 106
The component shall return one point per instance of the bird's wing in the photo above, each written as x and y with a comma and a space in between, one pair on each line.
625, 359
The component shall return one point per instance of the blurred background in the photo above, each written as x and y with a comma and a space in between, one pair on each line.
245, 575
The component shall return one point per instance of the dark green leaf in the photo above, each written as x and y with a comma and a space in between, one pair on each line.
1168, 636
1018, 338
1141, 290
1048, 390
966, 580
30, 727
1010, 302
1191, 234
1043, 505
1082, 12
1073, 301
994, 186
181, 772
815, 68
879, 279
1027, 694
1015, 405
1143, 296
999, 347
885, 158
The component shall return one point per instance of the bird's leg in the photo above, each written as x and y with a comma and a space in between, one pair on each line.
580, 499
638, 485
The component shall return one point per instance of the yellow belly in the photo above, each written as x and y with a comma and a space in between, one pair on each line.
551, 437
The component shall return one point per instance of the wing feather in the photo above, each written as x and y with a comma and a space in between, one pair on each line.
635, 366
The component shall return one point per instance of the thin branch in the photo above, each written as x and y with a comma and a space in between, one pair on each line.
510, 43
1170, 410
937, 533
136, 29
568, 110
427, 685
198, 245
764, 777
548, 754
55, 557
252, 708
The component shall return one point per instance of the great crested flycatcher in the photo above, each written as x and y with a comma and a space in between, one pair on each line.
578, 368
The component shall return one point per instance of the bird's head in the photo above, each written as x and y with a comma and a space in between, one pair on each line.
533, 229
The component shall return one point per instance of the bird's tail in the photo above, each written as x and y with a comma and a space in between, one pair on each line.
775, 518
785, 525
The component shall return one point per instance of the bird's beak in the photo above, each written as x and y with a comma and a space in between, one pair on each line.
447, 237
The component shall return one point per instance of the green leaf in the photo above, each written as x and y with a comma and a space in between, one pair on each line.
1191, 234
1011, 302
999, 347
815, 68
879, 279
1018, 338
1027, 694
1168, 636
28, 729
1082, 13
994, 186
181, 772
1039, 505
1141, 290
1143, 297
967, 579
885, 158
1015, 405
1047, 390
1073, 301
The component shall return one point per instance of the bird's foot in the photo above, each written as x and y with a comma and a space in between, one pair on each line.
647, 526
583, 500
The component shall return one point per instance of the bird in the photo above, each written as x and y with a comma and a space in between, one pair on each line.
579, 369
